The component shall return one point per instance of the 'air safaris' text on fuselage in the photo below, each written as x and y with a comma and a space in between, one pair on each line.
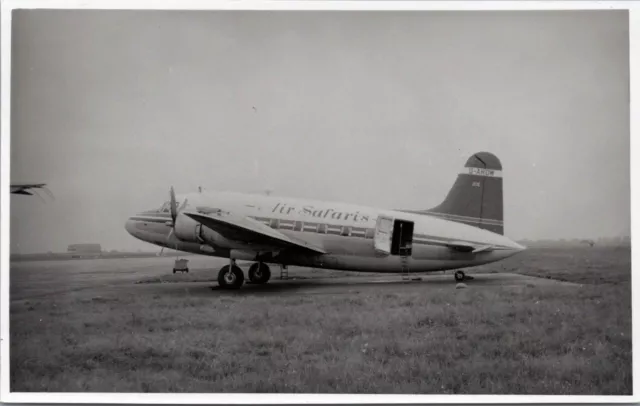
320, 213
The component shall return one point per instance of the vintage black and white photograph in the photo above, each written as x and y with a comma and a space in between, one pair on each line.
431, 202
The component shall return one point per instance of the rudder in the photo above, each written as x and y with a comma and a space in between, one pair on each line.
476, 196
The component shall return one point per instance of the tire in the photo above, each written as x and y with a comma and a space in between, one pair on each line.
174, 270
233, 280
459, 276
259, 273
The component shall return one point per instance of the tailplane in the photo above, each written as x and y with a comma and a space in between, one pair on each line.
476, 196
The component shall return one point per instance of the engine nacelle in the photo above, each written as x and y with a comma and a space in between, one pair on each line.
208, 236
188, 230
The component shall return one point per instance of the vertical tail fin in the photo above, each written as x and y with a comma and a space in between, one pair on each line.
476, 196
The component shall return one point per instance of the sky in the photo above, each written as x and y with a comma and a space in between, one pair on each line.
112, 108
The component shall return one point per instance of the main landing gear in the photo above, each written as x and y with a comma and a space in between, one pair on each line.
259, 273
232, 277
461, 277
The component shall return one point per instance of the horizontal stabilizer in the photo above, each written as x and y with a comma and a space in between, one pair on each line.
483, 249
460, 246
466, 247
242, 228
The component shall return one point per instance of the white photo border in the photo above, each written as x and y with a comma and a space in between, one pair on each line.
311, 5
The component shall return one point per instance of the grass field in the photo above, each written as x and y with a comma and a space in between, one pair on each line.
560, 339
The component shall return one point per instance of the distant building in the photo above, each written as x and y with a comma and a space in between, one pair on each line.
84, 250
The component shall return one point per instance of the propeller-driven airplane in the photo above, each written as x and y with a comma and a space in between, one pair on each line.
465, 230
25, 188
28, 188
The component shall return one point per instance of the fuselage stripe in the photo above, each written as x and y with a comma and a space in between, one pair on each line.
150, 219
464, 218
357, 232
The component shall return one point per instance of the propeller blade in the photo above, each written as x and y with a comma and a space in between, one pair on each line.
174, 209
183, 205
168, 240
174, 215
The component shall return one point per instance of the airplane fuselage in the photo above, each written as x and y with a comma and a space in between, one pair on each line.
345, 232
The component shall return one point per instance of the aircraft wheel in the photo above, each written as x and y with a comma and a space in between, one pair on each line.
230, 278
459, 276
259, 273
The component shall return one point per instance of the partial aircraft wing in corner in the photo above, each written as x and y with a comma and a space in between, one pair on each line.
245, 229
27, 188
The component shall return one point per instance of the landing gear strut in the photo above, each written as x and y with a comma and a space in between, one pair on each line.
259, 273
231, 276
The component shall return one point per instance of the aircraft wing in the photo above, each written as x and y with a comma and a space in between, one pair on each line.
466, 247
26, 188
245, 229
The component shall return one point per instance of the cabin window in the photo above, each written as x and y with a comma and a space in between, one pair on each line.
287, 224
322, 228
313, 227
297, 226
346, 231
369, 233
274, 223
335, 230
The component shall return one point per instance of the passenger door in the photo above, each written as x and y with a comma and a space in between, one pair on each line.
383, 234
